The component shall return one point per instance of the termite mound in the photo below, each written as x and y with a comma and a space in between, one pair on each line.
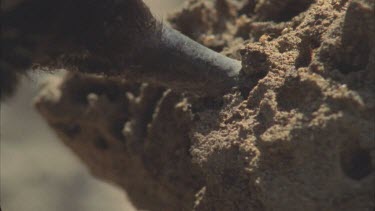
299, 137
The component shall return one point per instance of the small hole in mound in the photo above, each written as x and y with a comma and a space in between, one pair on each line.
247, 8
229, 177
101, 143
80, 88
301, 95
356, 163
304, 58
292, 9
70, 130
245, 91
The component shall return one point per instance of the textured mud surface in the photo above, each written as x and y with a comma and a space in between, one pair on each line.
300, 138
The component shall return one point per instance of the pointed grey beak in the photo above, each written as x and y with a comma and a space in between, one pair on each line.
178, 62
114, 38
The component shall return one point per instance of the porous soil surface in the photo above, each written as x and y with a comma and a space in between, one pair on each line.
299, 136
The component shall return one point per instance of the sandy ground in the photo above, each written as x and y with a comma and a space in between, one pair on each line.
298, 134
30, 153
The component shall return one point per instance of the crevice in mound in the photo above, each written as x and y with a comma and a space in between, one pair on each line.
245, 91
266, 116
207, 103
297, 94
356, 162
92, 85
280, 11
141, 110
70, 130
292, 9
304, 57
247, 8
100, 143
255, 62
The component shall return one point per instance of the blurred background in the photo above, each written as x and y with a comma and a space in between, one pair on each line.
37, 172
